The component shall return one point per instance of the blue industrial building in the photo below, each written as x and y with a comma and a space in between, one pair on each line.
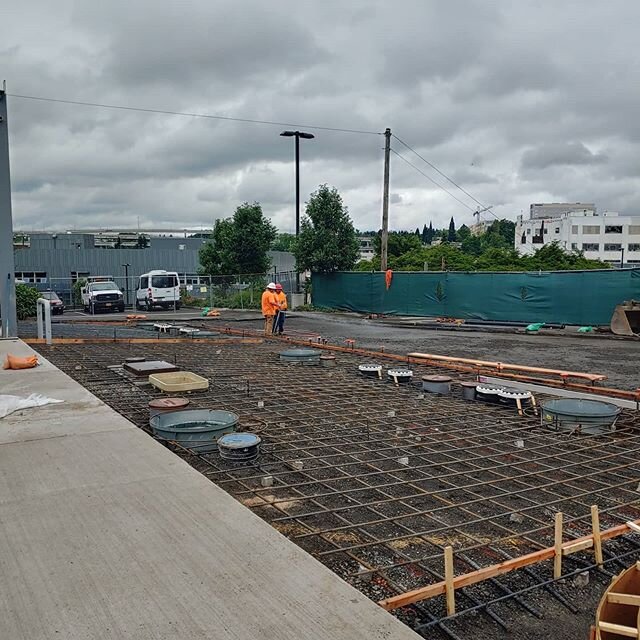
57, 260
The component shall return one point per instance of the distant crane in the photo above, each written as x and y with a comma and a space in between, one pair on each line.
477, 213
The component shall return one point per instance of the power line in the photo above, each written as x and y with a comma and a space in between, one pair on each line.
192, 115
432, 180
444, 175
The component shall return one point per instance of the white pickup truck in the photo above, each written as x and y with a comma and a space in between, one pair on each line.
102, 296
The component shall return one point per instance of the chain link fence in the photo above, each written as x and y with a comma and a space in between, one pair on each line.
236, 291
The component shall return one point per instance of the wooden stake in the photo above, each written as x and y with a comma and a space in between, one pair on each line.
557, 558
474, 577
448, 579
597, 540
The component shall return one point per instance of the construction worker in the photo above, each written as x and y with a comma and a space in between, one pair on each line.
278, 321
269, 307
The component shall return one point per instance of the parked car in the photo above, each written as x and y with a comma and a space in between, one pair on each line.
57, 306
158, 289
102, 296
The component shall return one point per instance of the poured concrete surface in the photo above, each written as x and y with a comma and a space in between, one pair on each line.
104, 533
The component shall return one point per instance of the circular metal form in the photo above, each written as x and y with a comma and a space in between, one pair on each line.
327, 360
468, 390
303, 356
591, 417
437, 384
400, 375
162, 405
488, 393
168, 403
196, 429
510, 396
370, 370
239, 447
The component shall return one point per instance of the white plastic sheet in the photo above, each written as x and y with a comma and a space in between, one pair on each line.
9, 404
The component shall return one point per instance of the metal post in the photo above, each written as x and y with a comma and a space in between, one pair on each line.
385, 202
297, 202
126, 283
43, 316
622, 259
7, 265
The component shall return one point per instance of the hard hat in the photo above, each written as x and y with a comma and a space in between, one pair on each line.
278, 287
271, 285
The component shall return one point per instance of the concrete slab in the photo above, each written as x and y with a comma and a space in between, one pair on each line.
104, 533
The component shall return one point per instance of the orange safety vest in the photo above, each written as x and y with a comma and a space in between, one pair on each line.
281, 297
269, 303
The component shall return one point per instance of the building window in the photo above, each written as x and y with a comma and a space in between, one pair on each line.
591, 229
557, 229
546, 230
614, 228
574, 229
79, 275
574, 246
529, 231
634, 229
31, 276
590, 246
612, 247
634, 247
633, 261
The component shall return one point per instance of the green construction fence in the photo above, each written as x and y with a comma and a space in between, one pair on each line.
566, 297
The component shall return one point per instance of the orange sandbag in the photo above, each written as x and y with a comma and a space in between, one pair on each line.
16, 362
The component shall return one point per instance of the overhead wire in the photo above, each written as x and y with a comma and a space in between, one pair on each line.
432, 180
192, 115
445, 176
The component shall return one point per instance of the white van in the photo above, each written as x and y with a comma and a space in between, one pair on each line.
158, 289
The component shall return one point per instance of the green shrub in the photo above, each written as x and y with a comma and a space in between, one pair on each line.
26, 301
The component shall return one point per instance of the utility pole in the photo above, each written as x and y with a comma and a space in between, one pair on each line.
385, 202
7, 266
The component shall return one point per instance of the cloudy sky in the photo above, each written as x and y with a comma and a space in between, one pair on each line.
517, 102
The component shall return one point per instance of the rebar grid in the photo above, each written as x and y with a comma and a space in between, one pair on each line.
334, 444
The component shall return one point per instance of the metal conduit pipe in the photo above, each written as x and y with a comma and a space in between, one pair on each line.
593, 377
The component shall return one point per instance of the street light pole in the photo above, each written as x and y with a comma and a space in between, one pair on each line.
306, 136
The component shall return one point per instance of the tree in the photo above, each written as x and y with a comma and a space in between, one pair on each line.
239, 244
428, 234
327, 241
463, 233
398, 243
283, 242
451, 234
418, 232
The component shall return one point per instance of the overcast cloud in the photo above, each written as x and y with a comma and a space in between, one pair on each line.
518, 102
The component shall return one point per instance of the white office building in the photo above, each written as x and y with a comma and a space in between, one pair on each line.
556, 209
367, 250
604, 236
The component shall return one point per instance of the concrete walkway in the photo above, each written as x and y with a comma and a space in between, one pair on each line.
104, 533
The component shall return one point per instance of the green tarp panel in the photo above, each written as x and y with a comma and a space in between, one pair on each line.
566, 297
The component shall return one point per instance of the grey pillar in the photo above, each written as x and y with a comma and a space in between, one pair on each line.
7, 268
